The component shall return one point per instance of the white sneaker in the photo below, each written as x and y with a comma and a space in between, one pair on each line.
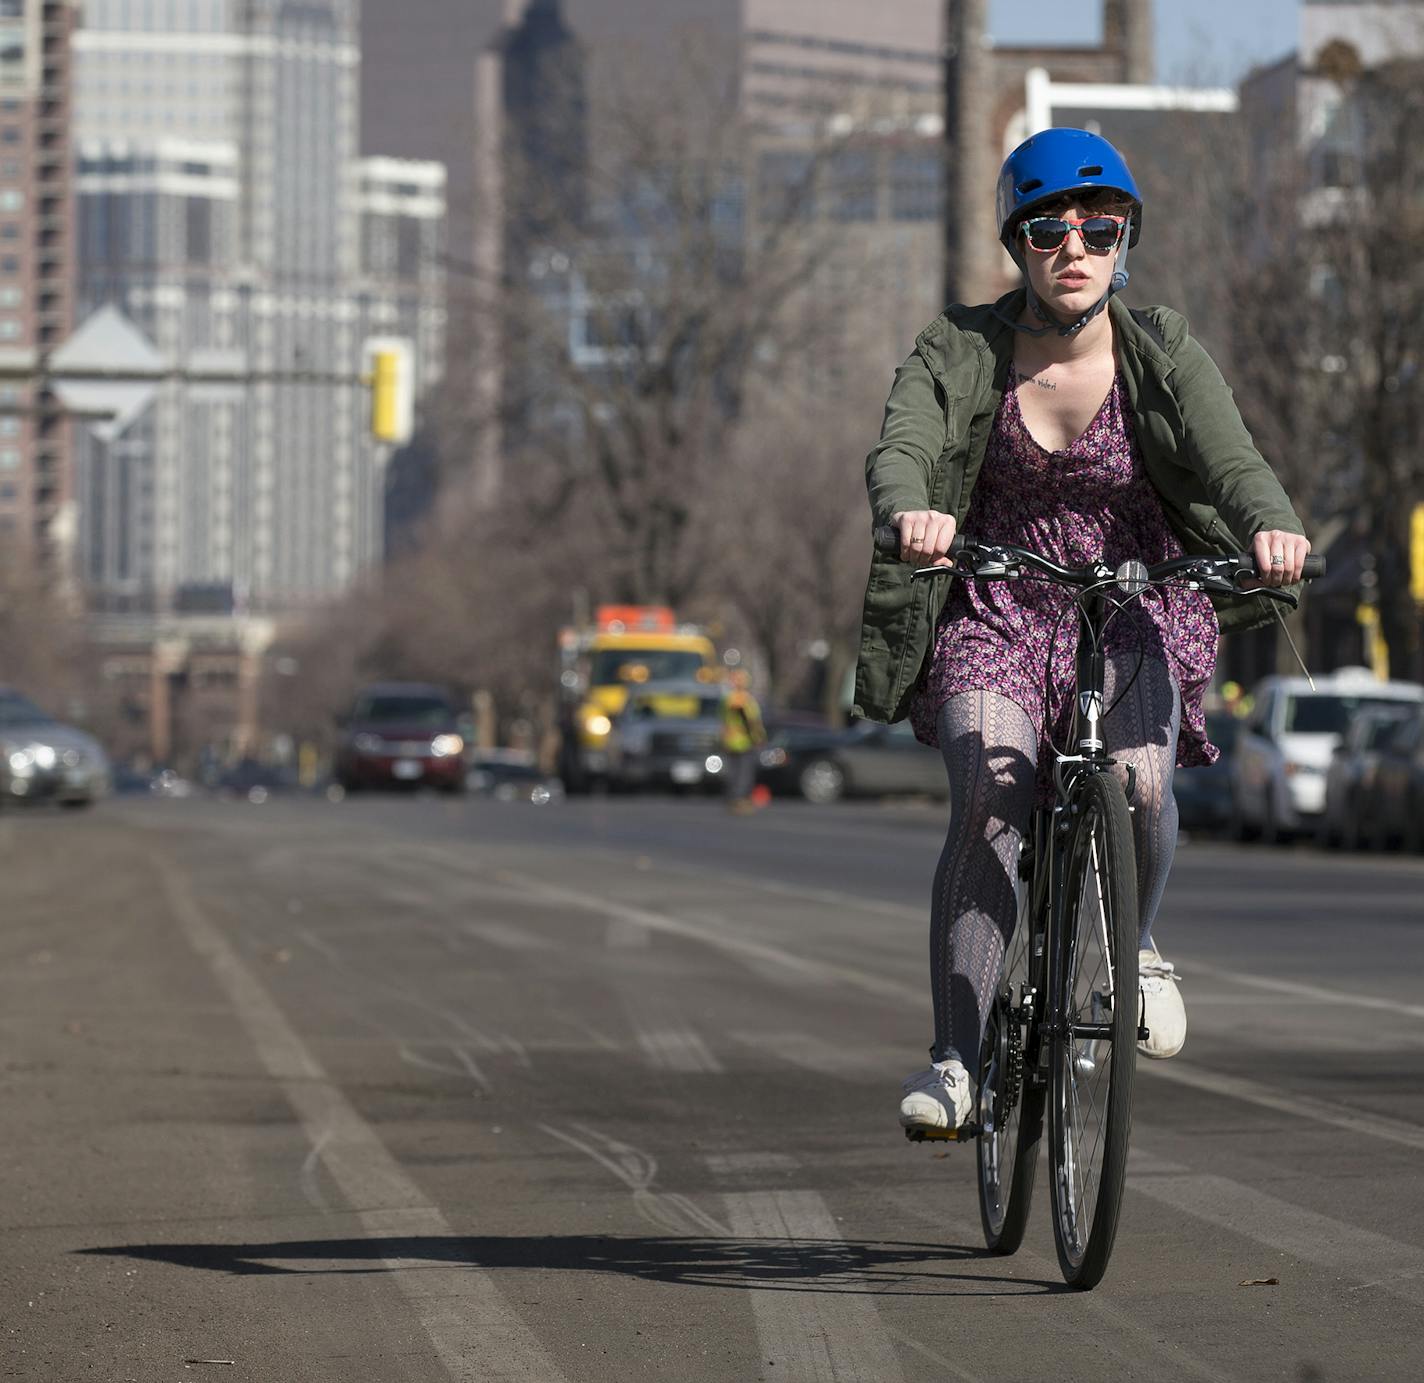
1162, 1013
940, 1096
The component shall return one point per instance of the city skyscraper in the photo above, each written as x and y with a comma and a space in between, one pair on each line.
36, 280
221, 204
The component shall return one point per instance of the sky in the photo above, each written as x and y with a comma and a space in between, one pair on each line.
1201, 42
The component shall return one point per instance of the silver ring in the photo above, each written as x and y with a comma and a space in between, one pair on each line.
1278, 559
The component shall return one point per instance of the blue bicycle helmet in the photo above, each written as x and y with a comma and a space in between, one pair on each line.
1051, 163
1044, 168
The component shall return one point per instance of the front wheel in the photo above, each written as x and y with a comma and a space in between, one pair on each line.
1094, 1044
1010, 1103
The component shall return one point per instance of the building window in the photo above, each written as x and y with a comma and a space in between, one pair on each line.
916, 186
9, 426
9, 459
9, 328
9, 135
10, 296
851, 186
8, 492
9, 264
9, 231
784, 187
11, 199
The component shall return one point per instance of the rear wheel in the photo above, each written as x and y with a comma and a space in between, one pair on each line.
1010, 1107
1094, 1050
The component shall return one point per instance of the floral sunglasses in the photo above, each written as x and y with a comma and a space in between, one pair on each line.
1100, 234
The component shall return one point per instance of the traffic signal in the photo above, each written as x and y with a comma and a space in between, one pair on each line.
1416, 553
389, 374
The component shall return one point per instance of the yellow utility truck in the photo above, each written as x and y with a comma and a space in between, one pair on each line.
625, 647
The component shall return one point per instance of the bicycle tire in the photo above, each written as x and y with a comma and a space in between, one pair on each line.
1090, 1089
1007, 1153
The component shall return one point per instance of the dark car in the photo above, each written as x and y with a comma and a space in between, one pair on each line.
1350, 797
1204, 794
254, 780
668, 735
824, 764
1393, 812
510, 776
403, 734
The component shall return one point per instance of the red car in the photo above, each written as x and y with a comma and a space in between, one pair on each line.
403, 734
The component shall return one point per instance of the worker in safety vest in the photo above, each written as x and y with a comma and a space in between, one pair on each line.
743, 735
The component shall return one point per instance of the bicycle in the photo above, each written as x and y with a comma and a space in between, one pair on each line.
1057, 1034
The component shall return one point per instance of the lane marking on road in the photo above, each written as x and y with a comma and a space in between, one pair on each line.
826, 972
669, 1211
749, 1163
507, 936
622, 934
1317, 993
828, 1331
1338, 1248
677, 1049
473, 1329
1286, 1102
950, 1369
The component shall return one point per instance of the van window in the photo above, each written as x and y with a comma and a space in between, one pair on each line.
417, 711
1327, 714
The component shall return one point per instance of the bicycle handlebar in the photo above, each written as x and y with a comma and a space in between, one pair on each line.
887, 540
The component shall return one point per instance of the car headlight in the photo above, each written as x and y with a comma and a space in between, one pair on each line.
443, 746
22, 762
773, 758
368, 744
598, 724
43, 755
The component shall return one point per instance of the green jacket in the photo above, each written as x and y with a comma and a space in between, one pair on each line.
1216, 488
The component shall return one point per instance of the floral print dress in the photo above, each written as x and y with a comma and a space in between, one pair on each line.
1091, 500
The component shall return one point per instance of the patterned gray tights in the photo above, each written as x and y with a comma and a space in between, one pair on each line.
990, 750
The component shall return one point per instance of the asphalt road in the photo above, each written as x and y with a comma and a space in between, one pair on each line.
391, 1090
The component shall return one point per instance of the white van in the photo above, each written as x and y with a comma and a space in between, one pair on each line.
1283, 753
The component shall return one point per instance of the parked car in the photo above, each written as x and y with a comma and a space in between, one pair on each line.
668, 734
1204, 794
403, 734
823, 764
1278, 771
509, 775
42, 760
254, 780
1347, 819
1394, 805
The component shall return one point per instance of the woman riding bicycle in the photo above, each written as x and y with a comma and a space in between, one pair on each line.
1058, 419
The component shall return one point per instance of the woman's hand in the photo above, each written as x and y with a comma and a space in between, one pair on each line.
925, 536
1280, 557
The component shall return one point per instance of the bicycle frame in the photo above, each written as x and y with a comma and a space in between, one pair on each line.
1048, 836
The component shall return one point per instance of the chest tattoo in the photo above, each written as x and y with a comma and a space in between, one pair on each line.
1038, 380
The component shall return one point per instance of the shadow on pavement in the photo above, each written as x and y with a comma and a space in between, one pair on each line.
872, 1269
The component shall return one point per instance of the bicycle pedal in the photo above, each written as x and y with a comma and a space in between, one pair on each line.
963, 1134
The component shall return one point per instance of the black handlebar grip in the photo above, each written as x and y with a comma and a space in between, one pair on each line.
1314, 564
887, 540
